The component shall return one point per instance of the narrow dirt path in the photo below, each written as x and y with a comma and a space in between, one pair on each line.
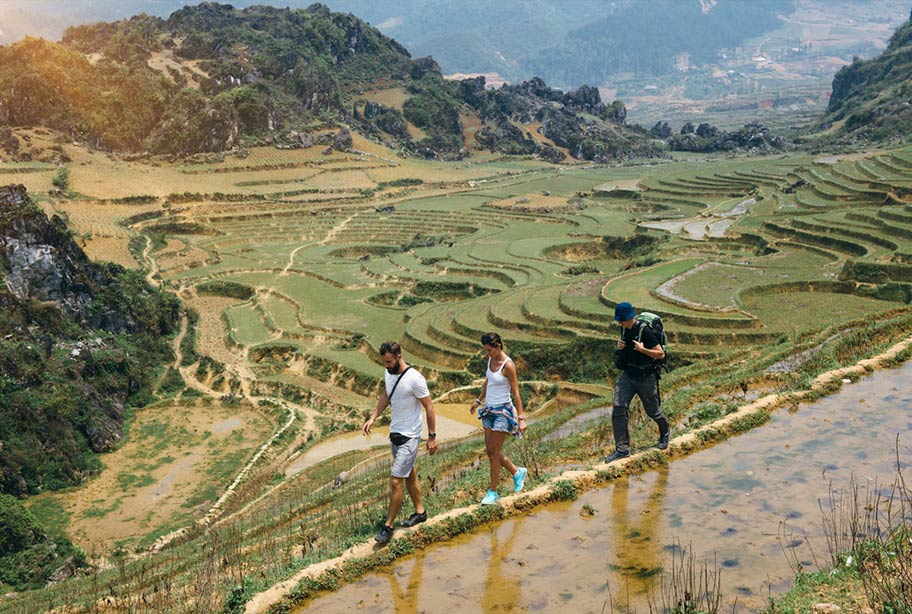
178, 353
151, 264
291, 258
335, 230
245, 376
330, 235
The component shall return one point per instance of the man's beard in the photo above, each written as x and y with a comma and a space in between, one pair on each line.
393, 370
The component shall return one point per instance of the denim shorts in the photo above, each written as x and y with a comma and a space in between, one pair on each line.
496, 422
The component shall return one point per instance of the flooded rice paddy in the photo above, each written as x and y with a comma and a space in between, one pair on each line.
742, 506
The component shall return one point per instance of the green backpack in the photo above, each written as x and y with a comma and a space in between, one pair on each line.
654, 322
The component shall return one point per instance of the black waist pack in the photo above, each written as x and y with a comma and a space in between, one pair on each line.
399, 439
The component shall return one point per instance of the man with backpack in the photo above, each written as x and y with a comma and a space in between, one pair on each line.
405, 391
639, 355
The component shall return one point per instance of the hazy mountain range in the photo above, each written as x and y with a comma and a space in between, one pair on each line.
565, 42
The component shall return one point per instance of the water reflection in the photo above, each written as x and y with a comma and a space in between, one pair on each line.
502, 583
405, 600
638, 534
737, 506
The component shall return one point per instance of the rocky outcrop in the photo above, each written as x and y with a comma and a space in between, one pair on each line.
8, 143
504, 137
76, 340
389, 120
41, 262
552, 155
342, 141
872, 96
752, 138
261, 72
577, 120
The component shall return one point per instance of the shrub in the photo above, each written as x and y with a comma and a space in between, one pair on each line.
61, 180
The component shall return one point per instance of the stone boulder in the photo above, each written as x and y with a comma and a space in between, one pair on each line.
551, 154
343, 140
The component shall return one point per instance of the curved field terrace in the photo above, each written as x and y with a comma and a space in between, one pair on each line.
295, 265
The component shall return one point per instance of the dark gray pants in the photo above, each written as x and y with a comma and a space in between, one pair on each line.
648, 391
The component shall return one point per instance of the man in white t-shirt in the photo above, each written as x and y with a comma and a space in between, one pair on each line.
405, 392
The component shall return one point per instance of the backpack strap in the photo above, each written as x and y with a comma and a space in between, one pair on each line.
640, 324
396, 385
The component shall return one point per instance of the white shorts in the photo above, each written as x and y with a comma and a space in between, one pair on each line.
404, 457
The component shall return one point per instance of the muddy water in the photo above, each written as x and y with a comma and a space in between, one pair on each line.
726, 504
453, 420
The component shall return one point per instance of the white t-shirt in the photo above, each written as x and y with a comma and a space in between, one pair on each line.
405, 406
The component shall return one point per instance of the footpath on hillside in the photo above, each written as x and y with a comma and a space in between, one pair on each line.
582, 480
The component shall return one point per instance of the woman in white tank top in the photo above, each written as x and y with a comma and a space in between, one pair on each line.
500, 414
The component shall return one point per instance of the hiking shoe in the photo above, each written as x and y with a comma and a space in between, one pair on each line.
414, 519
491, 497
385, 534
519, 479
616, 456
663, 440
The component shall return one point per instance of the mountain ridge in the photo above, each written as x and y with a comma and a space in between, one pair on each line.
871, 98
211, 76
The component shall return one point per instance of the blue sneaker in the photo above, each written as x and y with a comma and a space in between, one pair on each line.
519, 479
491, 497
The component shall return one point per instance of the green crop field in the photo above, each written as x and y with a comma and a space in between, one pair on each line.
436, 264
311, 263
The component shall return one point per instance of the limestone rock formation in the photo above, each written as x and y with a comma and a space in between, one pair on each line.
78, 338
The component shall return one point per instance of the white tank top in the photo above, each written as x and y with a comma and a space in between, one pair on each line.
498, 391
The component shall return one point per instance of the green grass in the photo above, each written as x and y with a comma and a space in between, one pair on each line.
802, 310
320, 271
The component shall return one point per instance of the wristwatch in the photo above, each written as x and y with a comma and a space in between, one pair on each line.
432, 435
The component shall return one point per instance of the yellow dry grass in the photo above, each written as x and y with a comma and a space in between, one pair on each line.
440, 172
162, 61
348, 180
97, 214
274, 180
110, 249
471, 124
621, 184
265, 171
166, 460
180, 259
98, 176
393, 97
538, 137
212, 330
415, 132
193, 66
36, 183
321, 196
171, 247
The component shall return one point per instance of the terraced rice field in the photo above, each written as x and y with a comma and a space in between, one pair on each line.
299, 265
338, 262
781, 239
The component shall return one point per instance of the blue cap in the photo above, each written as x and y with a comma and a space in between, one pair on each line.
623, 312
